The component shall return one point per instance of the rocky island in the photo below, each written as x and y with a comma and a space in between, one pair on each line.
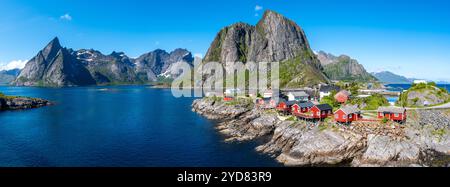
422, 141
21, 103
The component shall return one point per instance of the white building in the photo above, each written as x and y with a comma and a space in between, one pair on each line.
298, 96
420, 82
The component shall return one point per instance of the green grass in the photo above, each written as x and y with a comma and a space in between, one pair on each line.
299, 72
372, 102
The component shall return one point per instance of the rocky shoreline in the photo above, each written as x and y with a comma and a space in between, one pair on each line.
423, 141
21, 103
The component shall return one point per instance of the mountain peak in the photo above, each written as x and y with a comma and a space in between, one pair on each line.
270, 14
54, 43
52, 48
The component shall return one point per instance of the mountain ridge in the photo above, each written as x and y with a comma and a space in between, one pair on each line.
391, 78
56, 66
344, 68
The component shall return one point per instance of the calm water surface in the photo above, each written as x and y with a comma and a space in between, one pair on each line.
116, 126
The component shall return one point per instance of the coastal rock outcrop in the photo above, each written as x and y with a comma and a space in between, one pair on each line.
21, 103
420, 142
239, 122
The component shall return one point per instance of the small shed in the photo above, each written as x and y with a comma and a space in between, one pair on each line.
392, 113
347, 114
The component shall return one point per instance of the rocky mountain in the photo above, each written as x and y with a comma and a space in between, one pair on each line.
274, 39
160, 63
343, 68
7, 76
55, 66
391, 78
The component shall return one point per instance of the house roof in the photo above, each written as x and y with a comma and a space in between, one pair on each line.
329, 88
395, 110
344, 92
324, 107
290, 103
306, 105
350, 109
299, 94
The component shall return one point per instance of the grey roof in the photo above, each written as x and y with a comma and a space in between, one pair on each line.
299, 94
350, 109
308, 104
345, 92
329, 88
396, 110
324, 107
290, 103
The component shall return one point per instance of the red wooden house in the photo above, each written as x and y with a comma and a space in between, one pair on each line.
284, 106
392, 113
342, 96
347, 114
322, 111
299, 108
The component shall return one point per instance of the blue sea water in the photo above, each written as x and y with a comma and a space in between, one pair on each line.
401, 87
116, 126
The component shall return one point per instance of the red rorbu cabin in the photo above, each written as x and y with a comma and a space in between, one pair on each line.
347, 114
342, 96
301, 108
322, 111
285, 106
392, 113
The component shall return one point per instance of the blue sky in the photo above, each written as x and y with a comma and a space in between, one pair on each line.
411, 38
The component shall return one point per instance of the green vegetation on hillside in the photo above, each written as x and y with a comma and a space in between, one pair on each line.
371, 103
368, 103
300, 72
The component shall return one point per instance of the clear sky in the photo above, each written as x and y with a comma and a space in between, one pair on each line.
411, 38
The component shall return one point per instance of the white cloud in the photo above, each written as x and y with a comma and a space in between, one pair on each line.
258, 8
16, 64
66, 17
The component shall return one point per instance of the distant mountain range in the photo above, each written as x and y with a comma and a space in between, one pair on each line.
344, 68
7, 76
391, 78
274, 38
55, 66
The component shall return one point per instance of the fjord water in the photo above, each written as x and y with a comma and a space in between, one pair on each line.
116, 126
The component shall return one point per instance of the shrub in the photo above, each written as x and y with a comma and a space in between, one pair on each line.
432, 84
385, 120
